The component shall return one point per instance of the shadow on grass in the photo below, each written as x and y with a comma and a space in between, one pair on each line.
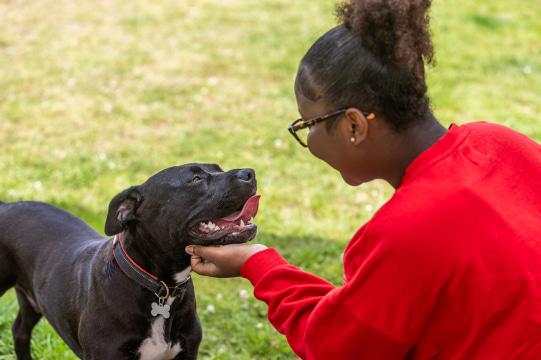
320, 256
235, 328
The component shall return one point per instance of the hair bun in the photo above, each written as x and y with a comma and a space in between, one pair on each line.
395, 31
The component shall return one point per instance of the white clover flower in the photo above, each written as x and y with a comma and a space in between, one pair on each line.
38, 186
243, 294
212, 81
361, 197
278, 143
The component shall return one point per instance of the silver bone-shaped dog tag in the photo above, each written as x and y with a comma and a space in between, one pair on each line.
162, 310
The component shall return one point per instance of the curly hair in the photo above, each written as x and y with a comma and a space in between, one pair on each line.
373, 60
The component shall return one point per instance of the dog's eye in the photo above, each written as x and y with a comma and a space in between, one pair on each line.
196, 178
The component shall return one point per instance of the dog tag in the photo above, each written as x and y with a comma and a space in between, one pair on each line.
162, 310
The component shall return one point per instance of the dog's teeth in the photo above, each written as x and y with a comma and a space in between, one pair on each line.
251, 220
241, 223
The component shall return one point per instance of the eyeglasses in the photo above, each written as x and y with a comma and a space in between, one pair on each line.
298, 125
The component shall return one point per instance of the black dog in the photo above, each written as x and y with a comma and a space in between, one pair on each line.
130, 298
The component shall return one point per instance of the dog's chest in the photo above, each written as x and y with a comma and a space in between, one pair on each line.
155, 347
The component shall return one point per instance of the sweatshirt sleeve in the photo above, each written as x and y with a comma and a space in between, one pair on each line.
316, 316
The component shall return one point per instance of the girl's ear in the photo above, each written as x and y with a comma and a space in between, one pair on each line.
122, 210
354, 126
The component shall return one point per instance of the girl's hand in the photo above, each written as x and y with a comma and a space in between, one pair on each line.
221, 261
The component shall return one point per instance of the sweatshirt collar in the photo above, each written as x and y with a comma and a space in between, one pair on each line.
440, 149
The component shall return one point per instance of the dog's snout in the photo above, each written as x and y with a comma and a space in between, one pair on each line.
247, 175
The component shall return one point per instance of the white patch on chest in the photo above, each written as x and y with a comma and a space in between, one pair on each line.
181, 276
155, 347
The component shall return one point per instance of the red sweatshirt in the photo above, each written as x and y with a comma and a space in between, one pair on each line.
448, 268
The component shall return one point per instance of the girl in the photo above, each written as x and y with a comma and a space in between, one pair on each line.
450, 266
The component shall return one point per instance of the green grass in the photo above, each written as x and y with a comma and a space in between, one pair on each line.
97, 96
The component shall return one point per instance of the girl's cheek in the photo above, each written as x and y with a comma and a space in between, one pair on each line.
312, 144
317, 146
313, 149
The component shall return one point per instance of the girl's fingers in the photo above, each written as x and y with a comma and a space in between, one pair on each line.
221, 261
206, 252
203, 267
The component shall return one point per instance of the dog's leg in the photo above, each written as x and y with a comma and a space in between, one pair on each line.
7, 278
26, 319
7, 281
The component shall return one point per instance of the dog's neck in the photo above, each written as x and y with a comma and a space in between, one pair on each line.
164, 264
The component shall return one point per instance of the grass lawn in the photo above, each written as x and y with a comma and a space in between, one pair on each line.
98, 95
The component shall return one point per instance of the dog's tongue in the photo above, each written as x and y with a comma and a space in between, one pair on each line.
249, 210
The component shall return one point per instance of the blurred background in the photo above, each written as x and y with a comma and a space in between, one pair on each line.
96, 96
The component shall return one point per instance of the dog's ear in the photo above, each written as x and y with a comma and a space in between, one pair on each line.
122, 210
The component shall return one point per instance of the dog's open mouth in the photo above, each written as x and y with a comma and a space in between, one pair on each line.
235, 228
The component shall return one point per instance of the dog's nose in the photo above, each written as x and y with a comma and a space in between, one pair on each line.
246, 175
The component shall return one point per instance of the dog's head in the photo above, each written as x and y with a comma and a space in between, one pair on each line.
189, 204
